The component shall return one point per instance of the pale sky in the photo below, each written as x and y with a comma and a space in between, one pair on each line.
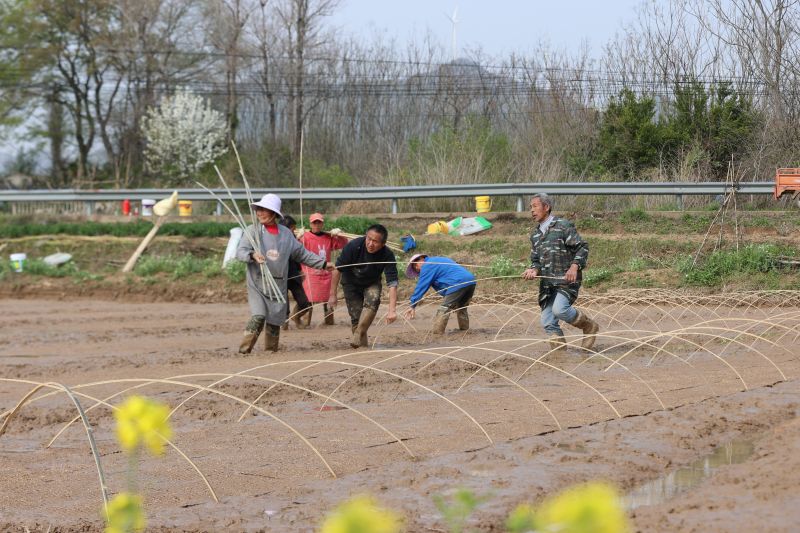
499, 27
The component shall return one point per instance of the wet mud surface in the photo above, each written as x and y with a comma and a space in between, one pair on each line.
282, 438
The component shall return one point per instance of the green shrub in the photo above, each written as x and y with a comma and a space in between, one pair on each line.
629, 139
760, 222
150, 265
503, 266
594, 276
765, 281
189, 265
116, 229
37, 267
696, 223
587, 223
199, 229
720, 265
235, 271
619, 253
177, 267
5, 269
636, 264
634, 215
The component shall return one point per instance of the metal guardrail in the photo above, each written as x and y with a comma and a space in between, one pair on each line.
520, 190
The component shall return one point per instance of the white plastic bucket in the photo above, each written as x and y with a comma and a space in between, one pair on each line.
18, 261
147, 207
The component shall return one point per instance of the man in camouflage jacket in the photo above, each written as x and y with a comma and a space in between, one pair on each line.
558, 257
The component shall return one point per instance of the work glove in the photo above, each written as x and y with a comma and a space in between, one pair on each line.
335, 232
299, 232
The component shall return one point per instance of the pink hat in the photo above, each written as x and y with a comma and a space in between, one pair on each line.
270, 201
316, 217
410, 272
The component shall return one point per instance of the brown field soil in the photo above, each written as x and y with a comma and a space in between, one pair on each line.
490, 410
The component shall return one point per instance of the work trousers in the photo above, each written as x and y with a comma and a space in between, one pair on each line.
358, 298
295, 286
457, 300
557, 308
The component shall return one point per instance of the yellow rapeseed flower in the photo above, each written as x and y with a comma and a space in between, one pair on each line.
522, 519
361, 515
125, 514
143, 421
590, 508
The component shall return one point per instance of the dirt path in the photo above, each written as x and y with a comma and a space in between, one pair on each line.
471, 410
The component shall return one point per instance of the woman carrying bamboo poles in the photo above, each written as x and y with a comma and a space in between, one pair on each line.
274, 246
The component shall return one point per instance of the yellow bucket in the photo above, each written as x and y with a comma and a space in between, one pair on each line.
185, 208
438, 227
483, 204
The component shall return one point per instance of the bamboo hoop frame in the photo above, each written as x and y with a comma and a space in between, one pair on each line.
716, 330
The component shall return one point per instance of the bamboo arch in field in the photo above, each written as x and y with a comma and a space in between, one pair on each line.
716, 327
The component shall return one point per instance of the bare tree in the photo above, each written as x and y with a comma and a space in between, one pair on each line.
266, 45
149, 49
764, 35
225, 25
302, 22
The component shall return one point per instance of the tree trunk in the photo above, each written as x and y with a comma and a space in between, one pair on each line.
301, 29
55, 132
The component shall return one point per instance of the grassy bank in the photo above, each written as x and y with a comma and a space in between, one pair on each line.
23, 227
629, 249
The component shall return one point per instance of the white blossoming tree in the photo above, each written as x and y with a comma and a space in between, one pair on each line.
183, 134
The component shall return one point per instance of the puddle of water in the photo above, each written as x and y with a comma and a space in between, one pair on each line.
684, 478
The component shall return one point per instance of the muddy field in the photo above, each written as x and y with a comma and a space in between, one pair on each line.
276, 440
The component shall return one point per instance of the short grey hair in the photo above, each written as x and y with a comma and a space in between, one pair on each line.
545, 198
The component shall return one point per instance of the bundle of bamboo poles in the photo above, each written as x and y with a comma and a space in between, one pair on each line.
389, 244
268, 284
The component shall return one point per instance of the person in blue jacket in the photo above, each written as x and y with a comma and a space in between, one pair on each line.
455, 283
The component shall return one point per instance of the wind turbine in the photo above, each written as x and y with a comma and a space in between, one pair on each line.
454, 21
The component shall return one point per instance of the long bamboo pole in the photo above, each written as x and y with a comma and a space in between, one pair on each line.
143, 245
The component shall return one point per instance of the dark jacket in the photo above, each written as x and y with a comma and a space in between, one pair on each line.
363, 275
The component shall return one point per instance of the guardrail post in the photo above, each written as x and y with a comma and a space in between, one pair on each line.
679, 201
394, 206
519, 204
89, 205
218, 210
